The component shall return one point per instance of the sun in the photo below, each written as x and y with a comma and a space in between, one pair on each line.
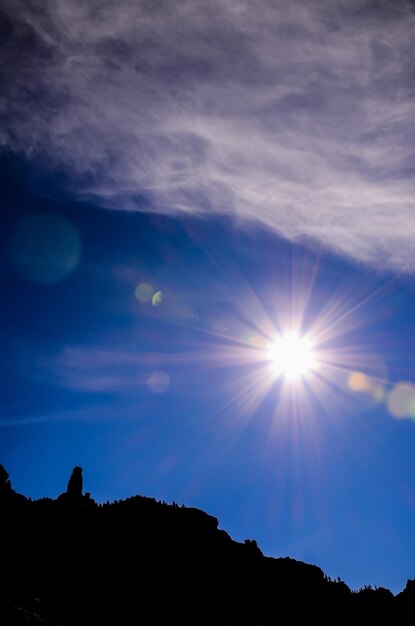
292, 356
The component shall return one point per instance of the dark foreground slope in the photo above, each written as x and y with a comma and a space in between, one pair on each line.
72, 562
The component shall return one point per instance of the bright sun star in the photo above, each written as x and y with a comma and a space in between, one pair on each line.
292, 356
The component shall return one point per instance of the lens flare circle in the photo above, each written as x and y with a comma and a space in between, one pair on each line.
292, 356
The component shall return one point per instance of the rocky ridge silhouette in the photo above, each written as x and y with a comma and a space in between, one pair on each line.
71, 561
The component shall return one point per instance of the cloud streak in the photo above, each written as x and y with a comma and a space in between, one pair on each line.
295, 115
114, 370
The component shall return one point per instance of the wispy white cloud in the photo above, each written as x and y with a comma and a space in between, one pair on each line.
118, 370
298, 115
94, 370
90, 413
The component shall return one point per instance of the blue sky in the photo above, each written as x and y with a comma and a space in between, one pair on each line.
180, 186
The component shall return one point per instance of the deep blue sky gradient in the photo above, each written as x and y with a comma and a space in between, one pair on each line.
332, 483
253, 163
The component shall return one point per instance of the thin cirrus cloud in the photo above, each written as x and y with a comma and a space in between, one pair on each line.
94, 370
297, 115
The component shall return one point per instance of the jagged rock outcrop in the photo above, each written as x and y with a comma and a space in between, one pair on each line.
6, 490
75, 483
5, 484
73, 495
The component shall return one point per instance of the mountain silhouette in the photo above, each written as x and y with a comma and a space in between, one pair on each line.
71, 561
